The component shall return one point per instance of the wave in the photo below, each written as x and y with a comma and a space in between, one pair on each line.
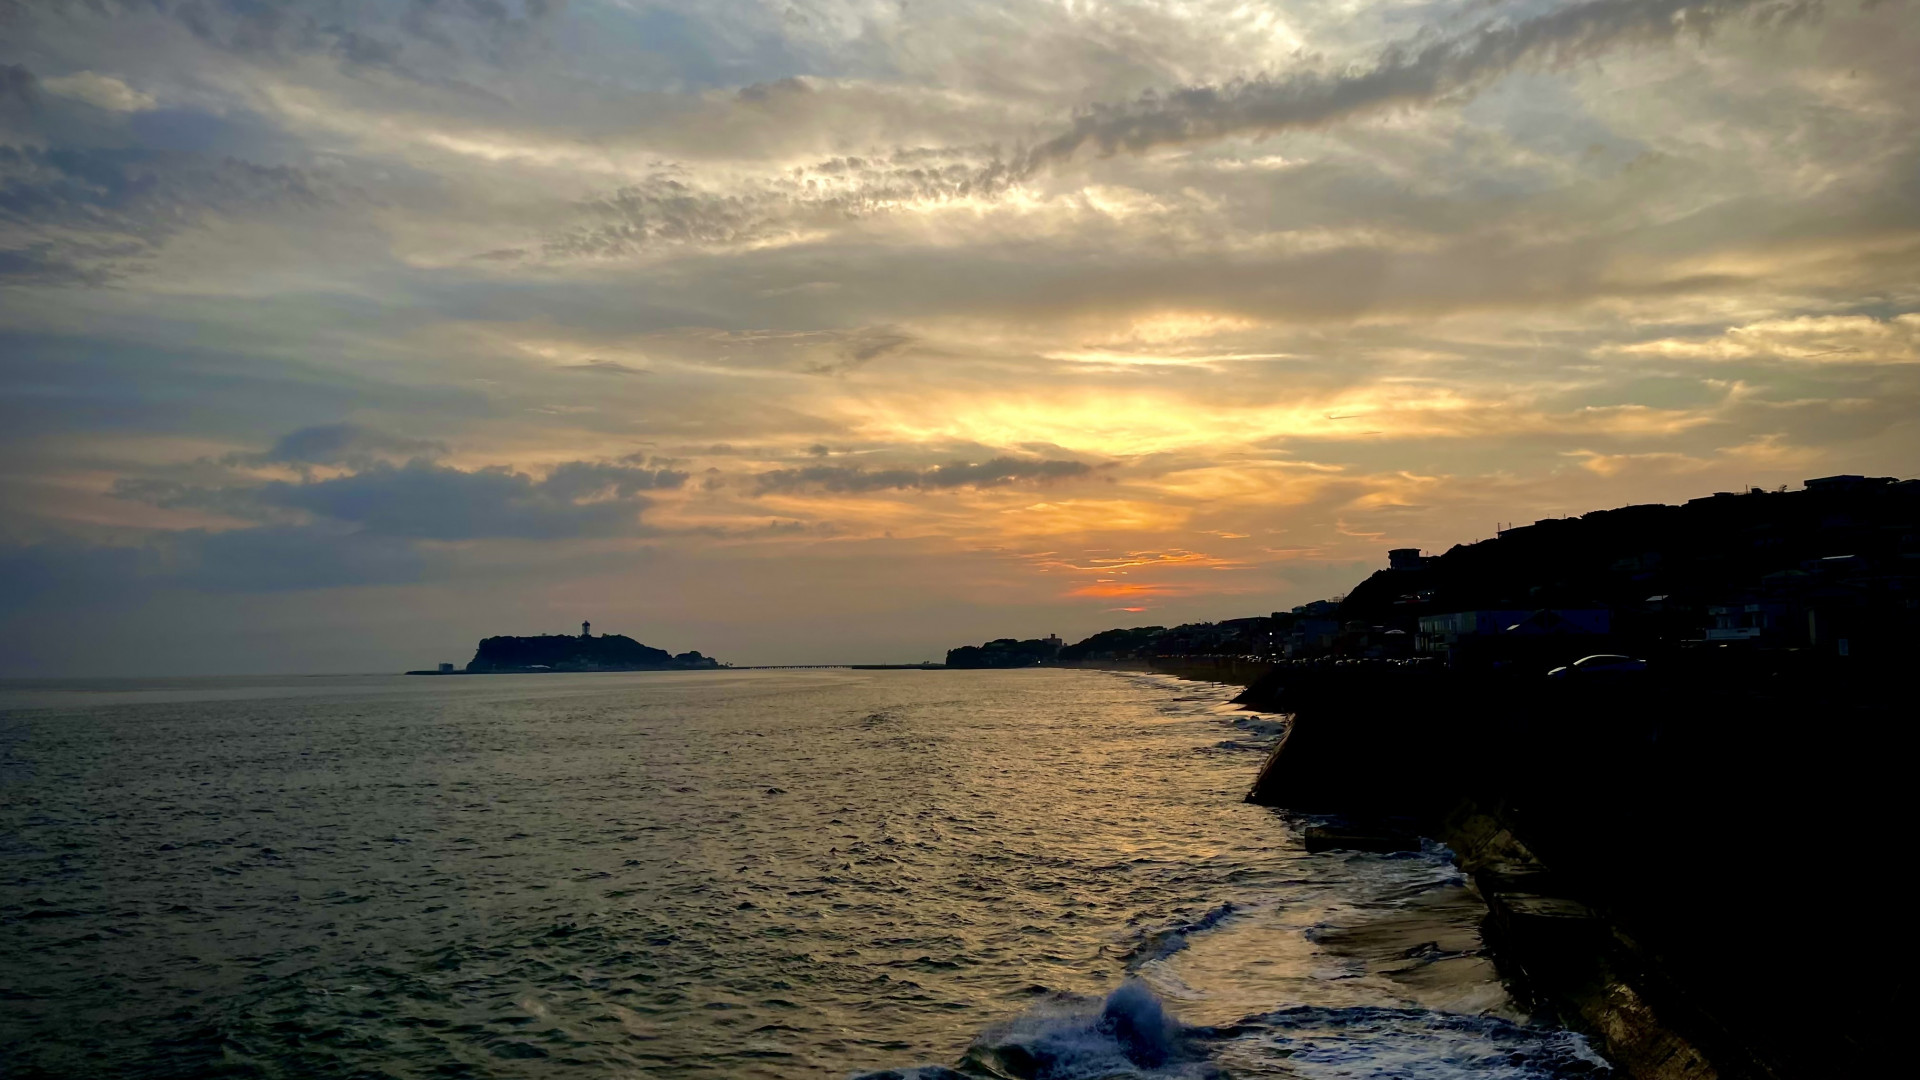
1130, 1034
1408, 1044
1069, 1037
1160, 944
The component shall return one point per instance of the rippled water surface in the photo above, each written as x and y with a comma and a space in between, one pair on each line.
755, 874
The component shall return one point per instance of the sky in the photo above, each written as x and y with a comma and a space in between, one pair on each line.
335, 335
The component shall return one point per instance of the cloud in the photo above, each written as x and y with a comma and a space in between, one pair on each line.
391, 37
86, 213
278, 558
367, 527
18, 87
860, 347
585, 480
1452, 259
605, 367
1806, 339
284, 557
336, 444
44, 263
100, 91
433, 502
670, 208
416, 499
1410, 73
995, 472
69, 572
134, 191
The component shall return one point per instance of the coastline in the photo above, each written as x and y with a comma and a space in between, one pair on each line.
1608, 828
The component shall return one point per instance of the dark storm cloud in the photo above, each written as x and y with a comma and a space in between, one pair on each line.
995, 472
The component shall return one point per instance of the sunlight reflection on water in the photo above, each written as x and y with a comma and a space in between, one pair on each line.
771, 874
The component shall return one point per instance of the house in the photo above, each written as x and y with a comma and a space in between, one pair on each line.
1450, 633
1771, 622
1440, 633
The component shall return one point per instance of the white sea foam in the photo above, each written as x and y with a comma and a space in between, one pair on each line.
1406, 1044
1129, 1033
1162, 943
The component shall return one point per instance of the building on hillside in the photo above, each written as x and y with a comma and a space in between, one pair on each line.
1310, 636
1846, 482
1761, 622
1452, 634
1440, 633
1562, 621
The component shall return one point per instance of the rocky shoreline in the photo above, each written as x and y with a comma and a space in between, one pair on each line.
1628, 835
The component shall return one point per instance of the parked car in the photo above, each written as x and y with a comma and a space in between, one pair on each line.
1601, 663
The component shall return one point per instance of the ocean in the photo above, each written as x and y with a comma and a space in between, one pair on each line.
810, 873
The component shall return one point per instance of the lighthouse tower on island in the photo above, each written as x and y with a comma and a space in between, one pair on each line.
586, 629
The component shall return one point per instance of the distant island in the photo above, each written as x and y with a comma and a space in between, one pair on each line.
563, 652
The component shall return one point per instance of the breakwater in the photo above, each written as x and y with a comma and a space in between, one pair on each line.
1631, 833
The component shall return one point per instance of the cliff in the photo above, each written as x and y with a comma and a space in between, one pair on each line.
561, 652
1686, 804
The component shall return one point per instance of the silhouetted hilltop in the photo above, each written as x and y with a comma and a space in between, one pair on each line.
1833, 568
1115, 644
562, 652
1005, 653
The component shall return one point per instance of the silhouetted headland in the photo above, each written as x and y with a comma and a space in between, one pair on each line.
563, 652
1832, 569
1006, 653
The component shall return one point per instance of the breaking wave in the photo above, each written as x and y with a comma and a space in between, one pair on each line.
1130, 1034
1069, 1037
1160, 944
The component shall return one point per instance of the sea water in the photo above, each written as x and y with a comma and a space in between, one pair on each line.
1040, 873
